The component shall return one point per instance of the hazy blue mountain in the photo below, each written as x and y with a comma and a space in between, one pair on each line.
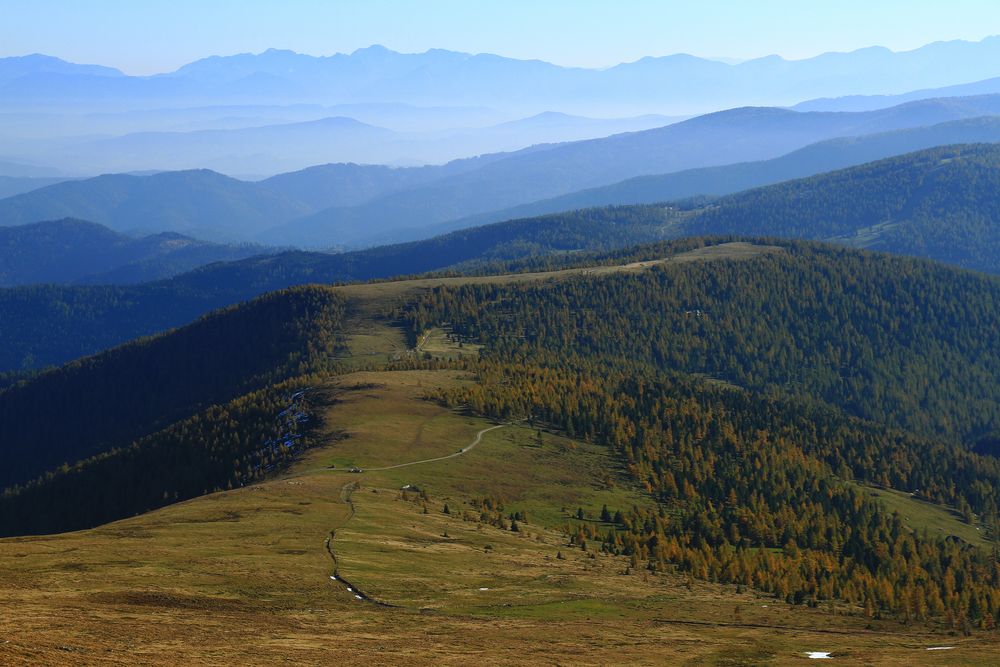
423, 78
15, 185
13, 68
76, 251
15, 169
52, 324
676, 84
211, 205
872, 102
939, 204
814, 159
202, 203
727, 137
244, 148
393, 116
351, 205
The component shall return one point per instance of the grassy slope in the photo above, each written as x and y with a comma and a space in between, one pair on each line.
243, 576
922, 515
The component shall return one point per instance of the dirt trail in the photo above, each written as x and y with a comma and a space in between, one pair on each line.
467, 448
346, 492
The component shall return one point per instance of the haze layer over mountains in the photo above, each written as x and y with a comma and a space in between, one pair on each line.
356, 150
261, 114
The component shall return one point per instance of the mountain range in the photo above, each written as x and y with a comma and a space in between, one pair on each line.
675, 84
938, 203
345, 206
252, 145
371, 352
75, 251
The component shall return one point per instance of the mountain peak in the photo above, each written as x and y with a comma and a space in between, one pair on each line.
373, 50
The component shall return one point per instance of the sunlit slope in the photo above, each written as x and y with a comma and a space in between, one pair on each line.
244, 575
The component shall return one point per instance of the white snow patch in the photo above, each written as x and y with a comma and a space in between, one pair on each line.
359, 597
333, 576
940, 648
819, 655
484, 589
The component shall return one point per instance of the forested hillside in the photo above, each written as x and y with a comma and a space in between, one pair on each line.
107, 401
48, 325
223, 446
750, 397
754, 492
752, 393
76, 251
939, 203
899, 341
813, 159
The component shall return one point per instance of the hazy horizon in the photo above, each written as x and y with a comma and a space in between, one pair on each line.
726, 60
158, 37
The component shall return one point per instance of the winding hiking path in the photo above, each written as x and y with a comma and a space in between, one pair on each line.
345, 497
467, 448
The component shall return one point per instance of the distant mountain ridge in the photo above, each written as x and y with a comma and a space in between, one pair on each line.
76, 251
676, 84
872, 102
247, 146
938, 204
813, 159
351, 206
725, 137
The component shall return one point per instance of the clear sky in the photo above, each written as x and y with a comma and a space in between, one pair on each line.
147, 36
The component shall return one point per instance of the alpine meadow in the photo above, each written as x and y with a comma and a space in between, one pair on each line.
591, 333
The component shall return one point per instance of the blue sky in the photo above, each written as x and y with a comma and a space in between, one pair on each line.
147, 36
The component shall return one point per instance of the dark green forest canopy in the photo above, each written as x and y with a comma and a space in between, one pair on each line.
750, 397
940, 203
903, 342
222, 447
45, 325
106, 401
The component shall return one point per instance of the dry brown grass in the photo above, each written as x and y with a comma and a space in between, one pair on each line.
243, 576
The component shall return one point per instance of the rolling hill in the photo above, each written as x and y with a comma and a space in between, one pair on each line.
935, 204
128, 392
708, 475
939, 203
813, 159
245, 146
52, 324
201, 202
76, 251
15, 185
211, 205
721, 138
366, 206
